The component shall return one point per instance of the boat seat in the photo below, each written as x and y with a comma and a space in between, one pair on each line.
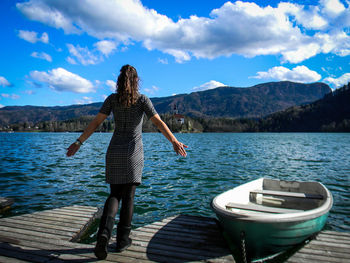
261, 208
287, 194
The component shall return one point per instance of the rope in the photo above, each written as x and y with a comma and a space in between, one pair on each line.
243, 247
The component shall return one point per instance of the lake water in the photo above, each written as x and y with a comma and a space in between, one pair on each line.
36, 173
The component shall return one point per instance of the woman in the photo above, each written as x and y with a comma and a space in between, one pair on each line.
124, 158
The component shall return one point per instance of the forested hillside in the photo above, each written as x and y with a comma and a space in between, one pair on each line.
332, 113
229, 102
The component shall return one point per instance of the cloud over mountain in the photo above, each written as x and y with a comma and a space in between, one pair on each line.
298, 74
292, 31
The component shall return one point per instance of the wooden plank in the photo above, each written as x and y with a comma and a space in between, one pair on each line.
22, 255
57, 251
184, 227
56, 217
11, 260
261, 208
180, 238
18, 238
178, 254
67, 214
180, 232
325, 252
200, 239
288, 194
189, 249
301, 257
336, 238
34, 233
44, 223
329, 247
37, 228
179, 242
191, 220
72, 211
333, 240
84, 207
334, 233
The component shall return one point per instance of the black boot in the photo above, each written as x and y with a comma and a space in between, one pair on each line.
103, 236
123, 240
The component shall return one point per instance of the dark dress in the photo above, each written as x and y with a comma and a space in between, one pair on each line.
124, 157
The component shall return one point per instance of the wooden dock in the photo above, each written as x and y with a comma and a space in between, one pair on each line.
52, 235
49, 236
327, 247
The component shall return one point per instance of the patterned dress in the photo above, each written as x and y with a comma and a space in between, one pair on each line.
124, 157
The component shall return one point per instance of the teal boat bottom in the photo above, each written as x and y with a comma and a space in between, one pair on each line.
265, 240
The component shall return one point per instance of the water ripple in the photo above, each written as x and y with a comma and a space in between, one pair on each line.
35, 171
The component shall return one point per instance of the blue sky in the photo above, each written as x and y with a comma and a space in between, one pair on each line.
63, 52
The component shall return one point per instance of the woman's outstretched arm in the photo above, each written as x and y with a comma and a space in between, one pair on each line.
74, 147
179, 147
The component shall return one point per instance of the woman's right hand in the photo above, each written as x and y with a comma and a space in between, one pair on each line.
179, 148
72, 149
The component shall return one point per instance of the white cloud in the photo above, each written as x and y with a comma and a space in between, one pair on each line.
153, 90
62, 80
209, 85
241, 28
298, 74
163, 61
4, 82
90, 57
83, 55
111, 84
105, 46
310, 18
332, 8
1, 106
338, 82
32, 36
42, 55
71, 60
84, 100
10, 96
29, 92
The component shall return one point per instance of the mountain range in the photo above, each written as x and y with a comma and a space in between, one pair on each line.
251, 102
329, 114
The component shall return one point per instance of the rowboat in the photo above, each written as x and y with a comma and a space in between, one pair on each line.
265, 217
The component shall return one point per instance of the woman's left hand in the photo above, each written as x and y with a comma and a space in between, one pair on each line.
72, 149
179, 148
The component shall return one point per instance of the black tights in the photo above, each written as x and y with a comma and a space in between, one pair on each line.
124, 193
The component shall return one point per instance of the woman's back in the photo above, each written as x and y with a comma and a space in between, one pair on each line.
128, 120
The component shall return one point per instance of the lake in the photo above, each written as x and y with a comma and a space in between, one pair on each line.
36, 173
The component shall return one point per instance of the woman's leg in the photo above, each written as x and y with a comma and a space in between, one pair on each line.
127, 208
126, 213
110, 210
112, 203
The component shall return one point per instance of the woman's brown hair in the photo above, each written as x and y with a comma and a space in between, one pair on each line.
127, 86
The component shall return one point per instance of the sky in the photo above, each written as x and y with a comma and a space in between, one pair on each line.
64, 52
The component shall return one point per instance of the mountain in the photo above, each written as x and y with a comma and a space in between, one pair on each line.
35, 114
256, 101
329, 114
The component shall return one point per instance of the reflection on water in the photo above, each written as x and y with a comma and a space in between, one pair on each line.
35, 172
